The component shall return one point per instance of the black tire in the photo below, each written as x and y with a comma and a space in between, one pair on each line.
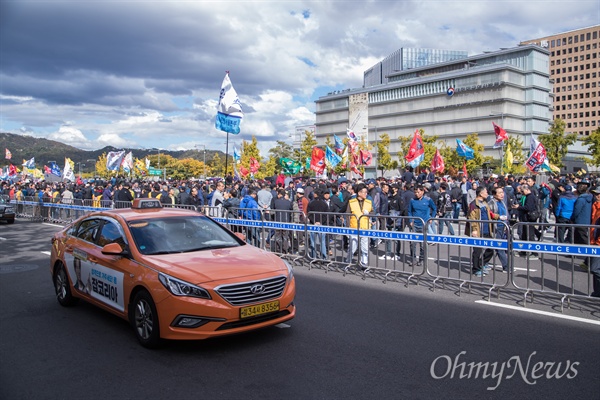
144, 320
11, 221
62, 287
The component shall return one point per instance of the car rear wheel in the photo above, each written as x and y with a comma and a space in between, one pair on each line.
11, 221
62, 287
145, 320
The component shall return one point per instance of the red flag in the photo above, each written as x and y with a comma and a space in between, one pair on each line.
47, 169
12, 170
317, 162
501, 136
365, 157
254, 165
536, 159
437, 163
465, 173
8, 154
354, 169
244, 171
416, 151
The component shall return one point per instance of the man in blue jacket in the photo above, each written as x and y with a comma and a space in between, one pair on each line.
564, 212
249, 210
422, 208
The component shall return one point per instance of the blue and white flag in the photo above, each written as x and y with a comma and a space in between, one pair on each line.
339, 145
127, 162
464, 151
30, 163
229, 109
114, 159
55, 169
236, 155
331, 158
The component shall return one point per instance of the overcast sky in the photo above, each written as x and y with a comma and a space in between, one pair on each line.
147, 74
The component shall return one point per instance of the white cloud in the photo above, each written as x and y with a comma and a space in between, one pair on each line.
71, 136
155, 83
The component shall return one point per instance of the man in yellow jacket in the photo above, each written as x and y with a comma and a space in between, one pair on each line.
359, 206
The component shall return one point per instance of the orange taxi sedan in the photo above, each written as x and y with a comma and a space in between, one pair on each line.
173, 274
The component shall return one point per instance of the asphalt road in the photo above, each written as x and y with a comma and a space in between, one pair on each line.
351, 339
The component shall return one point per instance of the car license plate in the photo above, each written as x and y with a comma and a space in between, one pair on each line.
259, 309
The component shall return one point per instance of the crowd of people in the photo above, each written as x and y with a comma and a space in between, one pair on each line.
490, 205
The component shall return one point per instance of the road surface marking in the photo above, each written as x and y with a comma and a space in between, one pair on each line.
283, 326
46, 253
524, 269
549, 314
1, 238
49, 224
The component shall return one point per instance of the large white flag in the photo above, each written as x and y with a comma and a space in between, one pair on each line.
114, 159
229, 109
127, 162
68, 172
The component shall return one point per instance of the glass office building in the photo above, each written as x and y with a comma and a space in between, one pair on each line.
450, 100
407, 58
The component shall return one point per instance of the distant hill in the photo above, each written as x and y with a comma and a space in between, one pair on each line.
44, 150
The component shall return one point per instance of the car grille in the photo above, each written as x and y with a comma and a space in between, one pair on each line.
253, 321
242, 293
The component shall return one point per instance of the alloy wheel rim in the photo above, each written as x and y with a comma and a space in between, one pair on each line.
143, 319
61, 289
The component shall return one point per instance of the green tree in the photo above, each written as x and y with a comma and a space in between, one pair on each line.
101, 170
270, 168
384, 158
281, 150
557, 143
250, 150
515, 143
217, 165
187, 168
593, 143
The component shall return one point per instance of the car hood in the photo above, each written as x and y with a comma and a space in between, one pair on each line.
218, 265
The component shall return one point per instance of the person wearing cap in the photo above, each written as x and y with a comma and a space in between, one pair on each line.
300, 204
563, 213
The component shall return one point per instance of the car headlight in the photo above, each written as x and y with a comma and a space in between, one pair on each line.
290, 269
181, 288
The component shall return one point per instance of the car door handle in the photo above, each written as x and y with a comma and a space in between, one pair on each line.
92, 259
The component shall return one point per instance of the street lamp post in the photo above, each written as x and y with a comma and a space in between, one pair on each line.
204, 147
493, 114
367, 127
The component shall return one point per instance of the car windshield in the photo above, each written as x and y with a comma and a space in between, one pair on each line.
180, 235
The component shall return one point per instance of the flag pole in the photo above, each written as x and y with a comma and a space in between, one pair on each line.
226, 155
502, 159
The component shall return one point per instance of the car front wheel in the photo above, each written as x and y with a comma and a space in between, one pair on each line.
62, 287
145, 320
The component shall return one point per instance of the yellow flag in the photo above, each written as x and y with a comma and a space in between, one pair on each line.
508, 157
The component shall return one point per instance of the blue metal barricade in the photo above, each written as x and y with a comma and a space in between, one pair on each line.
547, 263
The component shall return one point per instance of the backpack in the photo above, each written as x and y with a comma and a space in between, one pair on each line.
446, 202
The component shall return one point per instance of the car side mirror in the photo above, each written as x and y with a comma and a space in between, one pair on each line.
114, 249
